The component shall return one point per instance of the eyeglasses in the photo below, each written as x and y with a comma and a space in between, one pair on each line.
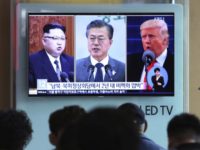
99, 39
55, 38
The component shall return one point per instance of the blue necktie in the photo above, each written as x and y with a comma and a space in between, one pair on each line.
57, 70
99, 74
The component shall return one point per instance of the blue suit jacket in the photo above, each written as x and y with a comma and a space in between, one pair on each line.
40, 67
148, 144
82, 71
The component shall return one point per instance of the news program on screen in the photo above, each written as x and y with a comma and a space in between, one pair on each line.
102, 54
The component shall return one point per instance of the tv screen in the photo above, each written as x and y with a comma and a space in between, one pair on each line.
101, 54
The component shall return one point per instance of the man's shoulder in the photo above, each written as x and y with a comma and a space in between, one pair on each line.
38, 55
117, 62
134, 56
150, 144
66, 56
83, 60
134, 60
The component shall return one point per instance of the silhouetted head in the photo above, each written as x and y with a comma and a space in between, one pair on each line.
15, 130
101, 129
183, 128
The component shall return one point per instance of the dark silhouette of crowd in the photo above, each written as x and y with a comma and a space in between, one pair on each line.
101, 128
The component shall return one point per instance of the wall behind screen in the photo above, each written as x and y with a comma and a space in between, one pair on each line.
158, 110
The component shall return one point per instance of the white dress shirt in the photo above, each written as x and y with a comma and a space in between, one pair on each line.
104, 62
52, 60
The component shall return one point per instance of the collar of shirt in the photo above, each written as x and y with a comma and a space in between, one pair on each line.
161, 59
52, 59
104, 62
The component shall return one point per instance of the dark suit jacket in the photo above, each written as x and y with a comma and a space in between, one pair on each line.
148, 144
82, 72
40, 67
156, 86
135, 68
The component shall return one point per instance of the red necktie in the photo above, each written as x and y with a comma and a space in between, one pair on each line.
148, 87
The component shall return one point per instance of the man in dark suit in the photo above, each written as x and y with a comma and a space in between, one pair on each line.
155, 37
51, 63
99, 67
158, 80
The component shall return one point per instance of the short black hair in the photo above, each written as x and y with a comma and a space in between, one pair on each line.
183, 127
100, 24
134, 112
59, 118
53, 25
15, 129
156, 69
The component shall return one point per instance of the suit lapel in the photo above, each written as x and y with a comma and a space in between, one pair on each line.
86, 71
64, 64
48, 68
114, 69
169, 61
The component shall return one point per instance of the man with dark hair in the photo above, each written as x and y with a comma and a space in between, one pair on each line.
15, 130
101, 129
51, 63
137, 116
61, 118
99, 66
183, 128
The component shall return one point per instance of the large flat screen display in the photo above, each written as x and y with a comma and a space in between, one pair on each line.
101, 54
